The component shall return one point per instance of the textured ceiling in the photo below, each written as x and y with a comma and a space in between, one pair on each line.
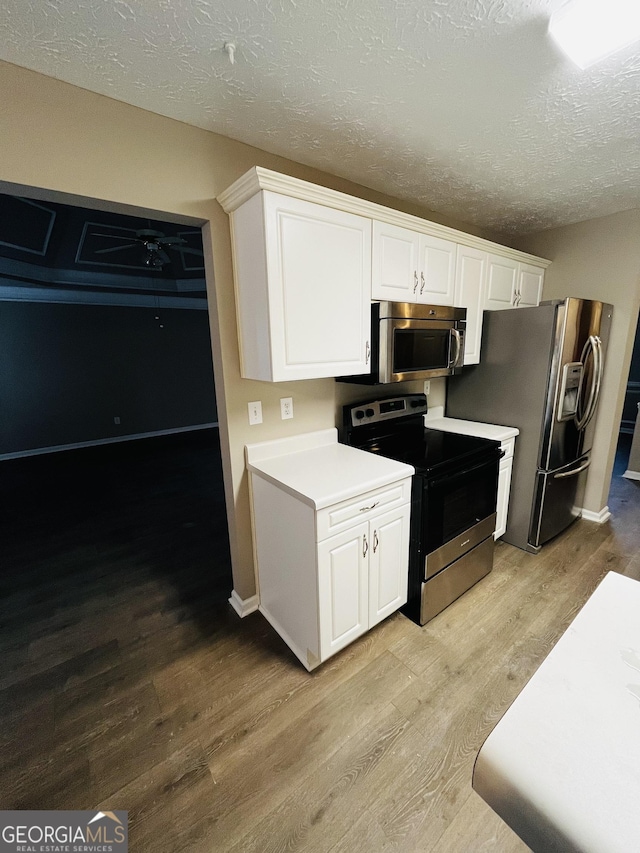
464, 106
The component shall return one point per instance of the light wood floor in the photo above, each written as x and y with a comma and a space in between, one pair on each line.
128, 682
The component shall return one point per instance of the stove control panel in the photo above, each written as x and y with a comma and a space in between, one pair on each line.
375, 411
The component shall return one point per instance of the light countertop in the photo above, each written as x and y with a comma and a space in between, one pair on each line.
562, 767
318, 470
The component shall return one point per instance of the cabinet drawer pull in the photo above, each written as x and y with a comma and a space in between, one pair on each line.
367, 508
365, 545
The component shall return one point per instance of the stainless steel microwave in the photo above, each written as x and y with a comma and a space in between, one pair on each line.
412, 341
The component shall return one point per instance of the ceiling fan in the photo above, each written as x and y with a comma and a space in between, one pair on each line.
154, 244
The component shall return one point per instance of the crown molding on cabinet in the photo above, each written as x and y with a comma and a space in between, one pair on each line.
259, 178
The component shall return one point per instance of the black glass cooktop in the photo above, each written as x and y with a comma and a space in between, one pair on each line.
428, 450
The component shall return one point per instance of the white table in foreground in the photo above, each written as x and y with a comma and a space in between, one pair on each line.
562, 767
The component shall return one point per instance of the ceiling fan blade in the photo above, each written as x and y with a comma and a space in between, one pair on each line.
171, 241
114, 249
188, 251
116, 237
163, 256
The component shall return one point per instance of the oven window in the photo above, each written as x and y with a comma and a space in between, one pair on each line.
456, 502
420, 349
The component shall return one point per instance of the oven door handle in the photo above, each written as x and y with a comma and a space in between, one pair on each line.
485, 463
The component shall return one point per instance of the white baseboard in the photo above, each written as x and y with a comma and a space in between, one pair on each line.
598, 517
244, 606
631, 475
39, 451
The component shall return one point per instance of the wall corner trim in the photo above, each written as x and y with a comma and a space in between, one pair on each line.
244, 606
598, 517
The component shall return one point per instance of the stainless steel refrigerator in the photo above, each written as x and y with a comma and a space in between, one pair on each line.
541, 371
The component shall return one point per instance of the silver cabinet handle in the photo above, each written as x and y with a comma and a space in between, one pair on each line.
376, 541
415, 281
573, 473
367, 508
365, 545
422, 286
367, 353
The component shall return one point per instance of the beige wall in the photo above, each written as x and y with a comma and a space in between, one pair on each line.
599, 259
59, 139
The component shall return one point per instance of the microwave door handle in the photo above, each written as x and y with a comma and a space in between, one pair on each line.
455, 335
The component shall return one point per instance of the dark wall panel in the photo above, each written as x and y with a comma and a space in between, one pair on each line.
66, 371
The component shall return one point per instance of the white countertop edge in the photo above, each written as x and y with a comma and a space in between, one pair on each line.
591, 806
346, 472
290, 444
340, 495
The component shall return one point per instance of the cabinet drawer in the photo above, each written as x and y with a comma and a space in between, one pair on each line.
337, 517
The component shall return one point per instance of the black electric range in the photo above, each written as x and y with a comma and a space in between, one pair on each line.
454, 495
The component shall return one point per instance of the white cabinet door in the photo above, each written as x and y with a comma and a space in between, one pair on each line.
504, 488
436, 270
471, 278
412, 267
395, 263
303, 289
502, 278
343, 588
530, 280
389, 555
319, 270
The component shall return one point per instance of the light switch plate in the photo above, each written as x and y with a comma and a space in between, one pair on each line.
255, 412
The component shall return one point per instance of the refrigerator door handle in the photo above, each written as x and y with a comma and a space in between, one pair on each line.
593, 345
564, 474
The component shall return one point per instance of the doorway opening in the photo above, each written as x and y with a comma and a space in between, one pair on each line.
115, 538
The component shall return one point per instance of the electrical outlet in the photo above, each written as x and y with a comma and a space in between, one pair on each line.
427, 386
116, 420
255, 412
286, 408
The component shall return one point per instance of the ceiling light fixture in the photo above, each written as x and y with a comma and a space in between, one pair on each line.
590, 30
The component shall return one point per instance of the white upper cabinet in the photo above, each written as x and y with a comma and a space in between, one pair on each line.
512, 284
471, 282
437, 270
502, 277
395, 263
530, 281
308, 261
412, 267
303, 289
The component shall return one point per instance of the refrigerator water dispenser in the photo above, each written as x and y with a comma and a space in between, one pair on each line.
569, 388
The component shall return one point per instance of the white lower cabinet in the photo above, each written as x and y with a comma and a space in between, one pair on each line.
359, 582
321, 591
504, 489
